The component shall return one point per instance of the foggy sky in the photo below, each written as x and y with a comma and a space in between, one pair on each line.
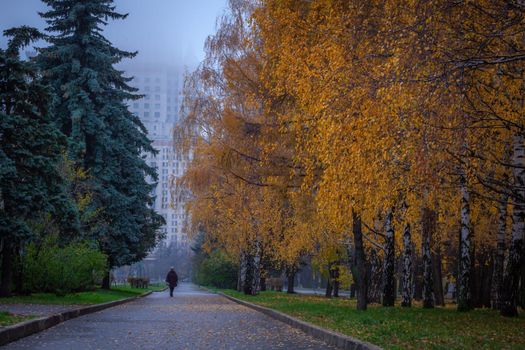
163, 31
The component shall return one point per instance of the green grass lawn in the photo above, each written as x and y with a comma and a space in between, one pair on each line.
401, 328
7, 319
92, 297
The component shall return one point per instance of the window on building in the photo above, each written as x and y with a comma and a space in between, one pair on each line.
157, 97
146, 114
157, 105
135, 105
146, 105
157, 114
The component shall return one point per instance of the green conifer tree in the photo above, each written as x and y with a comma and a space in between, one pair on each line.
104, 138
31, 151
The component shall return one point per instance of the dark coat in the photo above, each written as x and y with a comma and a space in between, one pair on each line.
172, 278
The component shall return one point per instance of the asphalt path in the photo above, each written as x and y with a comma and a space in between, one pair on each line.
192, 319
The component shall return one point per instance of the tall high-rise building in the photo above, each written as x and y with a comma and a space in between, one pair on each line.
159, 111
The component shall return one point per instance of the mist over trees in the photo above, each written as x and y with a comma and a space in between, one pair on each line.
384, 139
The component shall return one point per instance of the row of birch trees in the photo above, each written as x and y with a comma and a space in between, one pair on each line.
379, 139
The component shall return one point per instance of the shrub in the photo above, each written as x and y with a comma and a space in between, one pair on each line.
60, 270
216, 270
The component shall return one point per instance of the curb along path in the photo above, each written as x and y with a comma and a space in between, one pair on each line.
24, 329
330, 337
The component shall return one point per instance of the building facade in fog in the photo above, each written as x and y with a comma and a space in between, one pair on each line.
159, 111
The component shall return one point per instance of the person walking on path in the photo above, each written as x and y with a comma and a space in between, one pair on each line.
172, 280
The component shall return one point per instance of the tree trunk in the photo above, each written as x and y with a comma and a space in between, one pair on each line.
336, 282
18, 273
351, 265
475, 277
389, 290
438, 278
263, 284
486, 267
290, 274
465, 260
256, 266
374, 277
328, 291
522, 299
407, 268
428, 283
106, 281
511, 279
242, 272
352, 291
499, 259
360, 258
248, 279
417, 286
7, 271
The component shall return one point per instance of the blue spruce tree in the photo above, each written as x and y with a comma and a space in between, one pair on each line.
104, 138
31, 152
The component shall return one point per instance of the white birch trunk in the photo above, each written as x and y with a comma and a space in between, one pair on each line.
465, 262
242, 271
256, 278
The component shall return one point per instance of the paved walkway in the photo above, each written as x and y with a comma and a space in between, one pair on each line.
192, 319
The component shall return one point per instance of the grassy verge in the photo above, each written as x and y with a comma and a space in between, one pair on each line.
8, 319
401, 328
91, 297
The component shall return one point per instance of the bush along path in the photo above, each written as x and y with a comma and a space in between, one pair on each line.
24, 315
